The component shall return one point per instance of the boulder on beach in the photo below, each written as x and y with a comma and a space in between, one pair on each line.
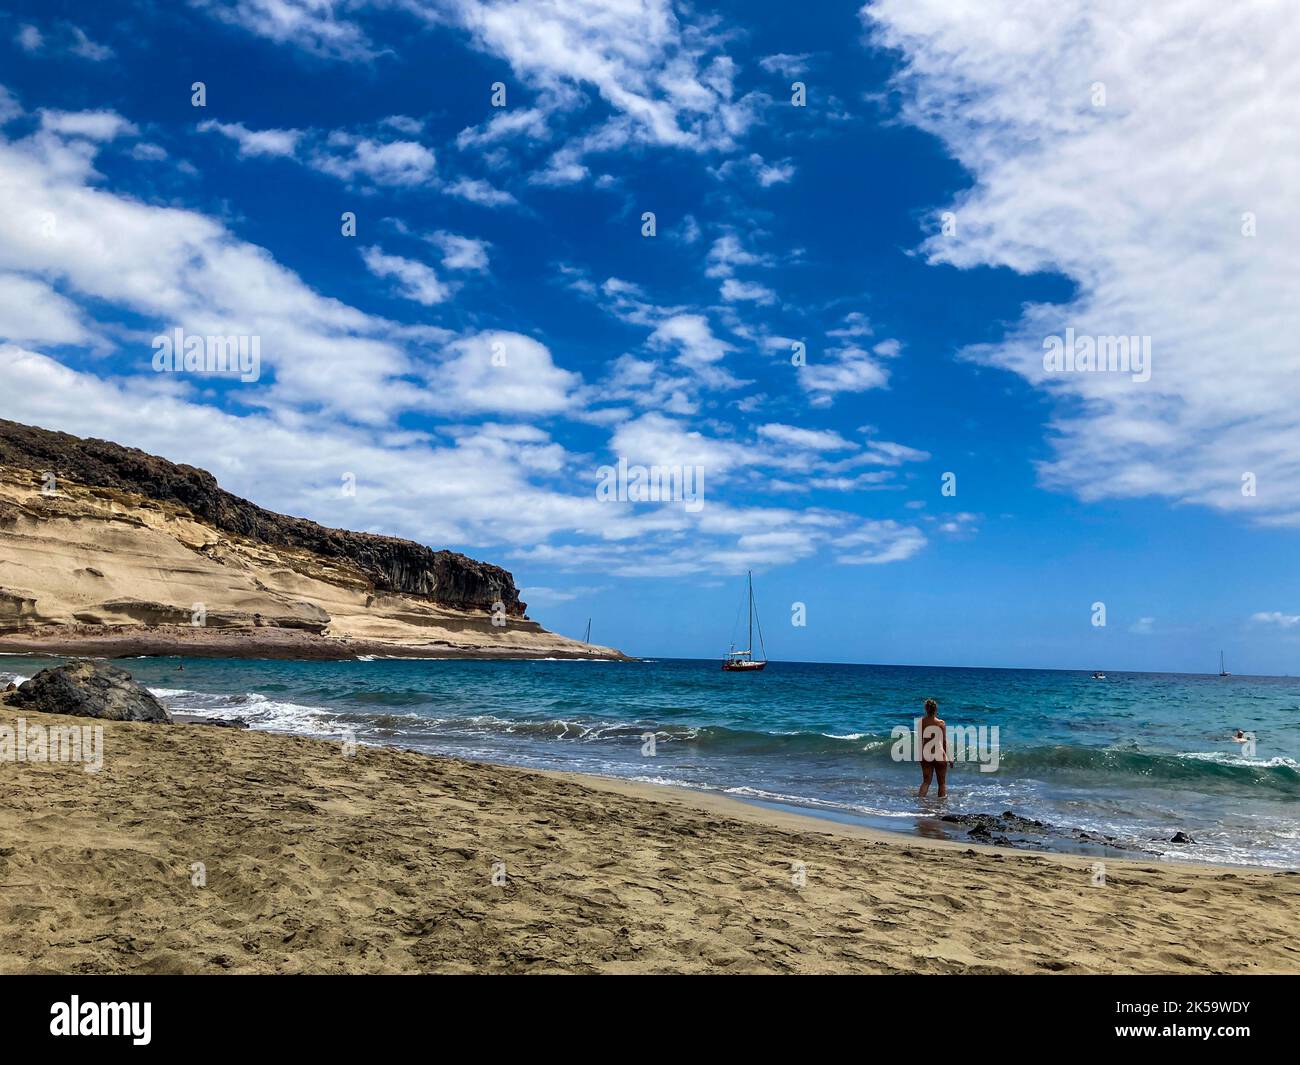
86, 688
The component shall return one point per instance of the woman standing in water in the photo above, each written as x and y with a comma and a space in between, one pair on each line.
934, 749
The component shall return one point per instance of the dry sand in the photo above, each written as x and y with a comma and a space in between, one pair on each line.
383, 862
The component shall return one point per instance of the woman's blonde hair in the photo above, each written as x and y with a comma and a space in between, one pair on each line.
931, 707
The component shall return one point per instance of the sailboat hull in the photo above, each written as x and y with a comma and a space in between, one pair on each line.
743, 667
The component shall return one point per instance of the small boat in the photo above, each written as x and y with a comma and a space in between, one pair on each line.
1222, 672
744, 661
1099, 676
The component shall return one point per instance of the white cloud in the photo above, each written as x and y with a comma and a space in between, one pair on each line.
813, 439
93, 125
670, 81
1140, 199
356, 158
412, 127
757, 168
32, 312
349, 157
786, 64
727, 253
478, 191
529, 122
698, 350
29, 38
273, 142
84, 47
855, 324
877, 542
313, 25
1275, 617
10, 108
63, 38
734, 290
770, 174
848, 369
175, 267
461, 253
654, 440
438, 493
416, 281
668, 84
501, 372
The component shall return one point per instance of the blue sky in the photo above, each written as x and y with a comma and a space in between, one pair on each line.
1119, 212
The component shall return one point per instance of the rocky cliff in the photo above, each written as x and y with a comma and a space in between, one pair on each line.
126, 553
392, 565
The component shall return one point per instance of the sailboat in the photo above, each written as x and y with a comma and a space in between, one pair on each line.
744, 661
1222, 672
587, 637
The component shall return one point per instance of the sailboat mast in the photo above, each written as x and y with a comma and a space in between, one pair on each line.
751, 612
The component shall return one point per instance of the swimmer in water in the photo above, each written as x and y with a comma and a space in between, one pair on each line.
934, 750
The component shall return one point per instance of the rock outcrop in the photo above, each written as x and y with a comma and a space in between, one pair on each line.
391, 564
120, 553
89, 689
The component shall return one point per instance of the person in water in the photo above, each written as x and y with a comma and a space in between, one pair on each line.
934, 749
1240, 737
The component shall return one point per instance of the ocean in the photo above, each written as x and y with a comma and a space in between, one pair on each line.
1112, 767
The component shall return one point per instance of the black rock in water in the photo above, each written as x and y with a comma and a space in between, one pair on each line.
1182, 837
86, 688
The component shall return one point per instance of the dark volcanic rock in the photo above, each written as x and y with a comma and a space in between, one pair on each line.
220, 722
1025, 831
1181, 837
86, 688
391, 564
984, 824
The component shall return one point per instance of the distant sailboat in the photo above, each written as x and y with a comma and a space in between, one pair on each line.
1222, 671
744, 661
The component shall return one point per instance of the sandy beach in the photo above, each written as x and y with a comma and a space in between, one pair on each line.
383, 861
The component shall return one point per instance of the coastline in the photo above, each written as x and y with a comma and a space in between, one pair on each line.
383, 861
138, 641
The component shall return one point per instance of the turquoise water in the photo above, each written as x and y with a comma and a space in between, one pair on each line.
1136, 757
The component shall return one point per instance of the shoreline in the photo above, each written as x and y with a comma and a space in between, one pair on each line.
268, 643
788, 818
995, 827
385, 861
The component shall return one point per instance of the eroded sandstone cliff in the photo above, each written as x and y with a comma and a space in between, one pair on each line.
391, 564
126, 553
